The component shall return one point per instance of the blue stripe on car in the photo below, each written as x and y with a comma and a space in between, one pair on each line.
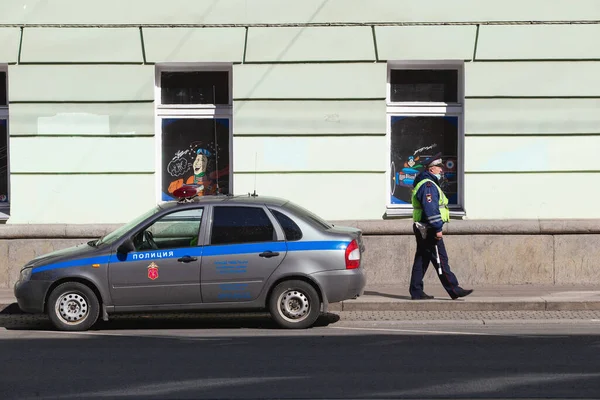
218, 250
71, 263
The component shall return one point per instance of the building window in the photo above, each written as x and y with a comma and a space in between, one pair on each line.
424, 111
4, 173
194, 114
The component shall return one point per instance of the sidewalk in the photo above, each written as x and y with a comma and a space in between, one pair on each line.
484, 298
487, 298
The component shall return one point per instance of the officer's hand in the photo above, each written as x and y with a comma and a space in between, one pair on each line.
438, 235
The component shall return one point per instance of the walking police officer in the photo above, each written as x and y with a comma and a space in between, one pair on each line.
430, 211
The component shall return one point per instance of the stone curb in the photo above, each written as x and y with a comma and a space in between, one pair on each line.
456, 305
411, 323
482, 227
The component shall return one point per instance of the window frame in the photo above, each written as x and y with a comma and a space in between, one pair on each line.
4, 115
426, 109
189, 111
193, 109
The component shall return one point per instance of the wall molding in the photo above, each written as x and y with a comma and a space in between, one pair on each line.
369, 227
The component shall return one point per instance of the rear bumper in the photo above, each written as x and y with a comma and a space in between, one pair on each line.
340, 285
31, 295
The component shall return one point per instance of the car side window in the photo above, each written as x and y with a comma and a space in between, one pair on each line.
175, 230
241, 225
290, 228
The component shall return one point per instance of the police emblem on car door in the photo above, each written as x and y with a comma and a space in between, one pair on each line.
153, 271
164, 267
245, 247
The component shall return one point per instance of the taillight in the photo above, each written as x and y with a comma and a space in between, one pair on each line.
352, 255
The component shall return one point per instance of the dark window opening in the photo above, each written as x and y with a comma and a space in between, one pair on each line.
418, 85
3, 163
3, 100
196, 87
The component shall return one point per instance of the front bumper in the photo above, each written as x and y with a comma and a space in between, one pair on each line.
343, 284
31, 295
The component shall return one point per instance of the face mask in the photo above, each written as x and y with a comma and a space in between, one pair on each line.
438, 176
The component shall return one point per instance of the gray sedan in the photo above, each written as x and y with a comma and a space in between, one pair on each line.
201, 253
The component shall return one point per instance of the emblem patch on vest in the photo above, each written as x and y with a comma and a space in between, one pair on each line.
428, 184
428, 195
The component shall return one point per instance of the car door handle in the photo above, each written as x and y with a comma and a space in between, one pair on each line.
187, 259
269, 254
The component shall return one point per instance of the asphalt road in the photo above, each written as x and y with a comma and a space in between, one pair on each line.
347, 355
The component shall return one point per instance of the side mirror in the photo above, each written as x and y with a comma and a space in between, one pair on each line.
126, 247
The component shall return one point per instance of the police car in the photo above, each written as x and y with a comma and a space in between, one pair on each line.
199, 253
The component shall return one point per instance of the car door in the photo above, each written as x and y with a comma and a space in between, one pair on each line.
244, 247
164, 268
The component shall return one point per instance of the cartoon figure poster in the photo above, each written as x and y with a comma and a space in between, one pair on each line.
195, 151
414, 139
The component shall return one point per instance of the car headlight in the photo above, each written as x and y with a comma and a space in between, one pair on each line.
25, 274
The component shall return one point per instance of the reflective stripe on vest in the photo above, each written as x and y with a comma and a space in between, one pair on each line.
443, 203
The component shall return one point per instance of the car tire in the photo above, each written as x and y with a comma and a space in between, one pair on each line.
294, 304
73, 306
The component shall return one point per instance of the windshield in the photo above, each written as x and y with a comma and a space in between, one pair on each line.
116, 234
307, 214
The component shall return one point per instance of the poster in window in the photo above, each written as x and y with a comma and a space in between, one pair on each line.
414, 139
3, 162
195, 151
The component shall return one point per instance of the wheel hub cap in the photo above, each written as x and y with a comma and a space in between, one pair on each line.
294, 305
72, 308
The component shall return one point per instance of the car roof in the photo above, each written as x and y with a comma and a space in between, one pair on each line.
246, 199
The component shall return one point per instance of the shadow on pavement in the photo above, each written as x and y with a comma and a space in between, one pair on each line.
400, 297
11, 309
12, 318
200, 321
391, 296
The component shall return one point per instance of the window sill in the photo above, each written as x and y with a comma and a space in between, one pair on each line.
407, 212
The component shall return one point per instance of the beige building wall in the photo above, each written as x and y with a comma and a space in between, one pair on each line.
309, 110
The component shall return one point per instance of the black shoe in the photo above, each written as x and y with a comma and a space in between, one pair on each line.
461, 293
424, 296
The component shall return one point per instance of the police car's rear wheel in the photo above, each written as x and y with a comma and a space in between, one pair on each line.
72, 306
294, 304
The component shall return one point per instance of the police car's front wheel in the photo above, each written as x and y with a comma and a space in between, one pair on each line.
72, 306
294, 304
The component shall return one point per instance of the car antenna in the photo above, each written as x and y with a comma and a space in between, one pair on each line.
254, 193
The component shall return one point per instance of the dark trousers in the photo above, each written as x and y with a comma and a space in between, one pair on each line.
426, 252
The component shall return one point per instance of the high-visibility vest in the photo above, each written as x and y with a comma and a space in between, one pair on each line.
443, 203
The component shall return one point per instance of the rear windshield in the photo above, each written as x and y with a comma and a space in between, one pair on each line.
304, 213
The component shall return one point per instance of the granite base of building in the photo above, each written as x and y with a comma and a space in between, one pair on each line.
492, 252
